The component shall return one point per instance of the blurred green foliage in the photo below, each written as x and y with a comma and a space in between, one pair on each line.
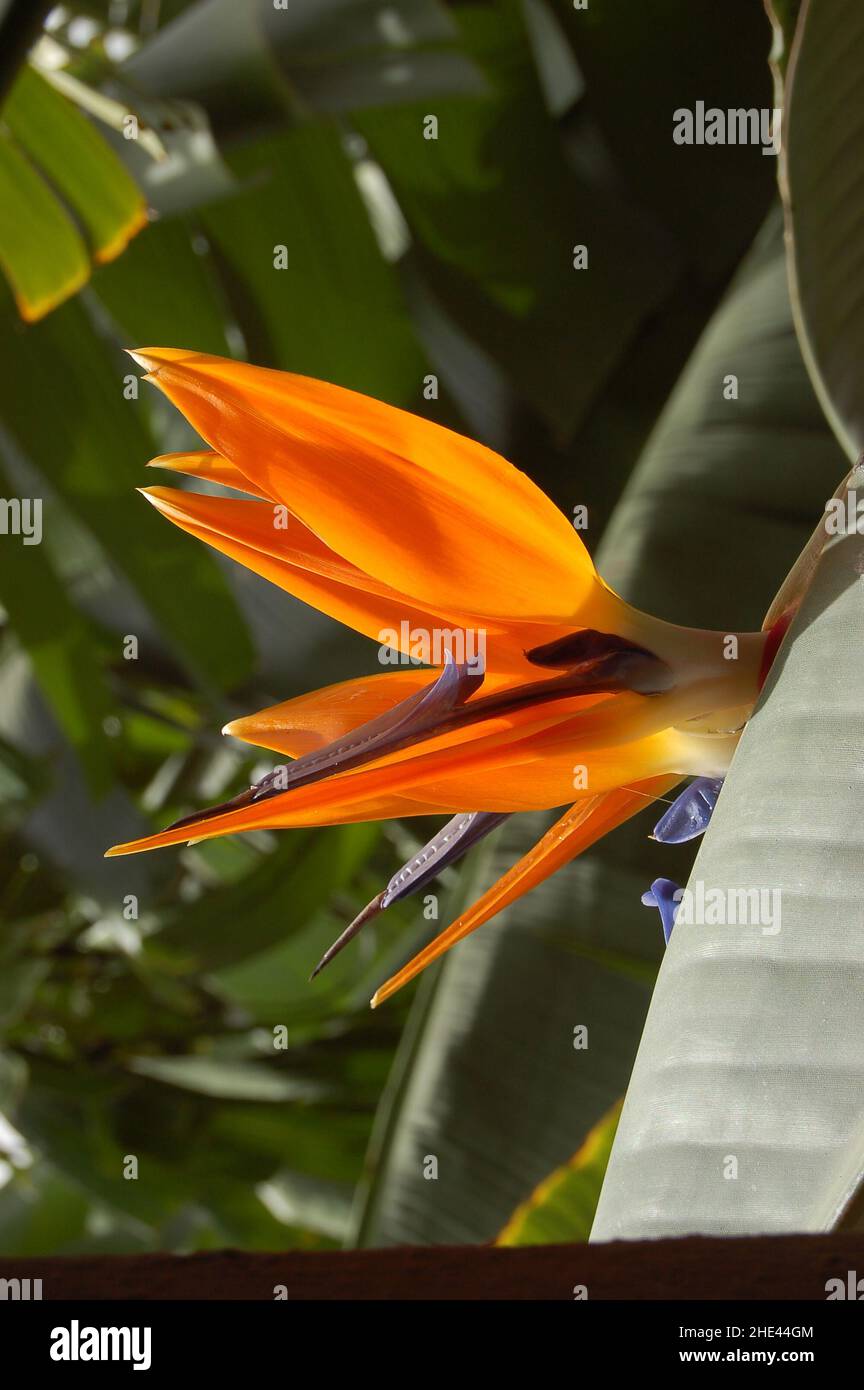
168, 1076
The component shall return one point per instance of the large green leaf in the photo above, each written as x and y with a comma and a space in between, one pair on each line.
271, 901
79, 164
745, 1112
165, 291
334, 310
562, 1207
675, 54
56, 171
42, 253
508, 281
256, 61
492, 1084
823, 187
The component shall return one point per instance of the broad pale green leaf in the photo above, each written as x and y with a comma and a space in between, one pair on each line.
562, 1207
823, 186
745, 1113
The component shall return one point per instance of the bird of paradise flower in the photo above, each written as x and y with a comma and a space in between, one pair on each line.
389, 522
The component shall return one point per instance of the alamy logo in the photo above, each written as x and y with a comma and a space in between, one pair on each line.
77, 1343
849, 1288
737, 126
844, 516
718, 907
399, 647
22, 516
20, 1290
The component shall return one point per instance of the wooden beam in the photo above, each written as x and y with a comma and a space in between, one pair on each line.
764, 1267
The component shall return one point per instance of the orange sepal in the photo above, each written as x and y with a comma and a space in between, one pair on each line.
211, 467
581, 826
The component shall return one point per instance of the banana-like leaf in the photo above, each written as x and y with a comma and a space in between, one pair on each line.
165, 290
562, 1207
274, 899
251, 62
823, 185
56, 171
719, 505
518, 287
745, 1112
706, 196
304, 273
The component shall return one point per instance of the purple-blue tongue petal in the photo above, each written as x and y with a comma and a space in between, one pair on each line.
405, 722
384, 734
689, 814
661, 895
449, 844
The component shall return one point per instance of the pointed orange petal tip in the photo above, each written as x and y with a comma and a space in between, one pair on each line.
175, 462
184, 460
150, 495
141, 358
130, 847
152, 358
162, 498
391, 987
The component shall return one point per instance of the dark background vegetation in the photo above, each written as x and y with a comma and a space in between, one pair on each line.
153, 1037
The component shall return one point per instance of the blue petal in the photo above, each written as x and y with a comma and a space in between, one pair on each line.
689, 814
662, 895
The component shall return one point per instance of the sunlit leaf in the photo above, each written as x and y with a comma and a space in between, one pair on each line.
562, 1207
42, 253
824, 192
81, 167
